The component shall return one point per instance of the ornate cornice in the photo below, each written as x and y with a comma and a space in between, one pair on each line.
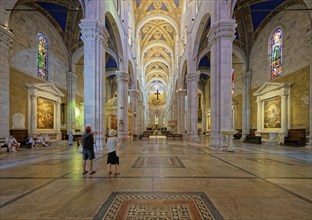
122, 75
94, 30
6, 37
222, 29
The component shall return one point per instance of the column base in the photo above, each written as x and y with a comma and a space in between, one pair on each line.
309, 144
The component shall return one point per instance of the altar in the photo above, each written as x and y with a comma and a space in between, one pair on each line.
273, 112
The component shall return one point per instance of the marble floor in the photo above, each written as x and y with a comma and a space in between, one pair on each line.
255, 182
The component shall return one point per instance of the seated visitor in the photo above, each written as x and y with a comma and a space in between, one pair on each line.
40, 139
32, 142
13, 145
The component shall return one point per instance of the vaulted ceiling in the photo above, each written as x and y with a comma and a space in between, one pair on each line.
157, 23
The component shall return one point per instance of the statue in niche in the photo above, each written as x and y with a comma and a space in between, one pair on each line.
18, 121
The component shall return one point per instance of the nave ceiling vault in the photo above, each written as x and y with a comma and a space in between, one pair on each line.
159, 35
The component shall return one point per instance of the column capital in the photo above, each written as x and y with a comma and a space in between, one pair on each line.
93, 30
181, 92
194, 76
6, 37
122, 75
222, 29
71, 76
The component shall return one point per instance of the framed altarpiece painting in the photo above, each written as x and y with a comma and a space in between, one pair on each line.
273, 111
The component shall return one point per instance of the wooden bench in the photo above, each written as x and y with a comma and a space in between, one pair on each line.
252, 138
295, 138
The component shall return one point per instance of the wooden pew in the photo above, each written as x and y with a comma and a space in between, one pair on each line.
295, 138
252, 138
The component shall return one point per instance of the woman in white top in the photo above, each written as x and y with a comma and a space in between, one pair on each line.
112, 159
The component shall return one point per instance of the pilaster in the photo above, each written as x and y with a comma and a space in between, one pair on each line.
309, 39
71, 86
181, 110
246, 104
192, 97
122, 104
134, 99
6, 42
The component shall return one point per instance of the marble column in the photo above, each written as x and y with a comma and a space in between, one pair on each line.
234, 113
6, 41
33, 115
143, 120
204, 121
220, 40
58, 119
134, 100
94, 37
139, 117
259, 114
284, 113
81, 116
309, 37
122, 104
181, 110
71, 86
175, 113
246, 104
192, 105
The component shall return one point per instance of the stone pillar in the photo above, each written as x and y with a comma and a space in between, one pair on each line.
259, 114
234, 112
204, 122
139, 117
6, 41
175, 114
58, 119
134, 100
81, 116
309, 36
143, 119
220, 40
122, 104
94, 37
192, 105
71, 86
284, 113
181, 110
33, 113
246, 104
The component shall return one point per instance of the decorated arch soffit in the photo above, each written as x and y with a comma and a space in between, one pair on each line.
157, 29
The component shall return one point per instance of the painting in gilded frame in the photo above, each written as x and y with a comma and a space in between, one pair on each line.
272, 113
45, 114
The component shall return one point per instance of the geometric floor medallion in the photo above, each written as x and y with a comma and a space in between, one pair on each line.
158, 205
156, 162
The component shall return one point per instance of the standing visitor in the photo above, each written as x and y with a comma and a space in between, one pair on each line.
87, 150
112, 158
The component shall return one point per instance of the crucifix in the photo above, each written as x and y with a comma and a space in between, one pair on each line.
157, 93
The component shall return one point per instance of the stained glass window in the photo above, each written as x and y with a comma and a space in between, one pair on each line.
42, 59
276, 47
